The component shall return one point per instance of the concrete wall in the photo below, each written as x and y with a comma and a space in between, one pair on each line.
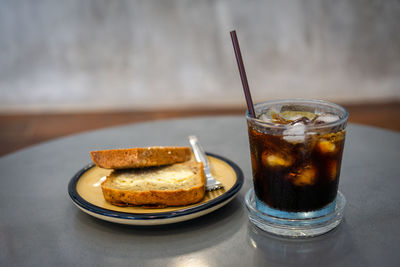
137, 54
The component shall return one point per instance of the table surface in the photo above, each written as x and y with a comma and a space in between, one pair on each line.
40, 225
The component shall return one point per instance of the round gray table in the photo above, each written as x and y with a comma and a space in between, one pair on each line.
40, 225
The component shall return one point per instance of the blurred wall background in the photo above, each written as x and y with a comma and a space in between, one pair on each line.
140, 55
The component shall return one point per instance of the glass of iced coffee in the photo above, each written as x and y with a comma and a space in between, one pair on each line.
296, 148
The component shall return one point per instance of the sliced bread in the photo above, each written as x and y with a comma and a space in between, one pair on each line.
173, 185
140, 157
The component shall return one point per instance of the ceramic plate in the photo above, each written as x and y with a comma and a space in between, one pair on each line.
85, 191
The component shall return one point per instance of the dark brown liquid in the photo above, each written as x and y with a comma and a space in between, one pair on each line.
296, 177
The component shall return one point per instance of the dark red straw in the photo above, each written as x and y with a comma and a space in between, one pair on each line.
243, 76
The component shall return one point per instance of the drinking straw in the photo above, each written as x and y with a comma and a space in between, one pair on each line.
242, 72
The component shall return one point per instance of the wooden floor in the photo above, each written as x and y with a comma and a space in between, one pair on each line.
22, 130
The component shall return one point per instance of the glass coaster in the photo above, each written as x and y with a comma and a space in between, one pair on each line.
295, 224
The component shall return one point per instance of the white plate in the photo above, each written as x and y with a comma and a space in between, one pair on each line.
85, 191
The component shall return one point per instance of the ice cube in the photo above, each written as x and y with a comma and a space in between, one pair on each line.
304, 120
332, 169
305, 176
276, 160
326, 118
294, 116
325, 146
295, 133
265, 118
276, 117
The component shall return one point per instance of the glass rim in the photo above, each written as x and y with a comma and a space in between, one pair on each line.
340, 121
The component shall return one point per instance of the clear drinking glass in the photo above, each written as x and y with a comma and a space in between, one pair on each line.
296, 148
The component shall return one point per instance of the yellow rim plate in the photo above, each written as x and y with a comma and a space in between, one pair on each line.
85, 191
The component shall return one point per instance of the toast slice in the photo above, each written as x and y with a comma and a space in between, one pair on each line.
173, 185
140, 157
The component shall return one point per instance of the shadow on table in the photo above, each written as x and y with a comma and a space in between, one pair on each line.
168, 240
331, 248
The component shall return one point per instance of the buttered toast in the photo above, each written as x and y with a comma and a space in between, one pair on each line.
172, 185
140, 157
